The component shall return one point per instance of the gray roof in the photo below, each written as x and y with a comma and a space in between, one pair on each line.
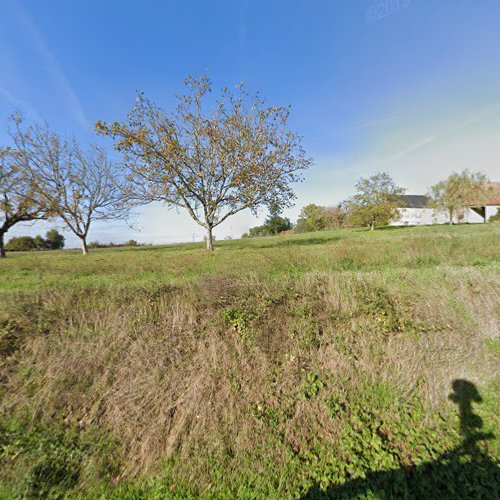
414, 201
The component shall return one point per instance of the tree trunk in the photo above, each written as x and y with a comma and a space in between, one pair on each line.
451, 218
372, 226
2, 247
85, 249
210, 239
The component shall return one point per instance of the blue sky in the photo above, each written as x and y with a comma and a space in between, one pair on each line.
411, 87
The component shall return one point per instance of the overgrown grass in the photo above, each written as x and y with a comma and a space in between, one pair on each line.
328, 251
319, 364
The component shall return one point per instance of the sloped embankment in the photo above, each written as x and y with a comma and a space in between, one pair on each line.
255, 387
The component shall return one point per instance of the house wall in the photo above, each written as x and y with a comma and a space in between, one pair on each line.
420, 216
427, 216
472, 217
491, 210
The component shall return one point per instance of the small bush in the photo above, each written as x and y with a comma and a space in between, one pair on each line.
21, 244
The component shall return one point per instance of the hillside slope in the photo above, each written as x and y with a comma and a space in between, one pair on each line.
339, 363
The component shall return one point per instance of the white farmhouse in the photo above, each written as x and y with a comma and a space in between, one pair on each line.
415, 211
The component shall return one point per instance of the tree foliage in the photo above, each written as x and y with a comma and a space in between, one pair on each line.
460, 190
273, 225
78, 186
376, 202
212, 157
22, 244
39, 242
53, 241
317, 218
277, 224
19, 201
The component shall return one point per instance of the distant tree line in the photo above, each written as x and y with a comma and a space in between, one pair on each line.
53, 241
129, 243
377, 201
317, 218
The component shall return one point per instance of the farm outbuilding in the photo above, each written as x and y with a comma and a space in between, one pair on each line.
416, 210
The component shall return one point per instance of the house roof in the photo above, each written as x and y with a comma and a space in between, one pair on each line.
414, 201
422, 201
495, 197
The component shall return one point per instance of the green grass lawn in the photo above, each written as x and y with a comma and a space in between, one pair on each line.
326, 251
339, 363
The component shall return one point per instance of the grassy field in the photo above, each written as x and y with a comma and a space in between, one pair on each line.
342, 363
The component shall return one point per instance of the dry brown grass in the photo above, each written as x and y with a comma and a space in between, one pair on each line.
185, 369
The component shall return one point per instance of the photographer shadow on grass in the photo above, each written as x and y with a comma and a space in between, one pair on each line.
464, 472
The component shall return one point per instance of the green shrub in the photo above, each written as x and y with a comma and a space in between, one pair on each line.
21, 244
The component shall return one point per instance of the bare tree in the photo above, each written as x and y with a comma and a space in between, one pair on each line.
79, 186
18, 202
212, 158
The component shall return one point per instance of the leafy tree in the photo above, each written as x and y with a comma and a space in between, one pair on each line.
18, 200
54, 240
317, 218
39, 242
21, 244
376, 202
79, 187
310, 219
213, 158
256, 231
336, 216
459, 191
273, 225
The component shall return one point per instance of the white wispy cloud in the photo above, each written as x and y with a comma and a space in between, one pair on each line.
374, 123
486, 112
52, 65
413, 147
